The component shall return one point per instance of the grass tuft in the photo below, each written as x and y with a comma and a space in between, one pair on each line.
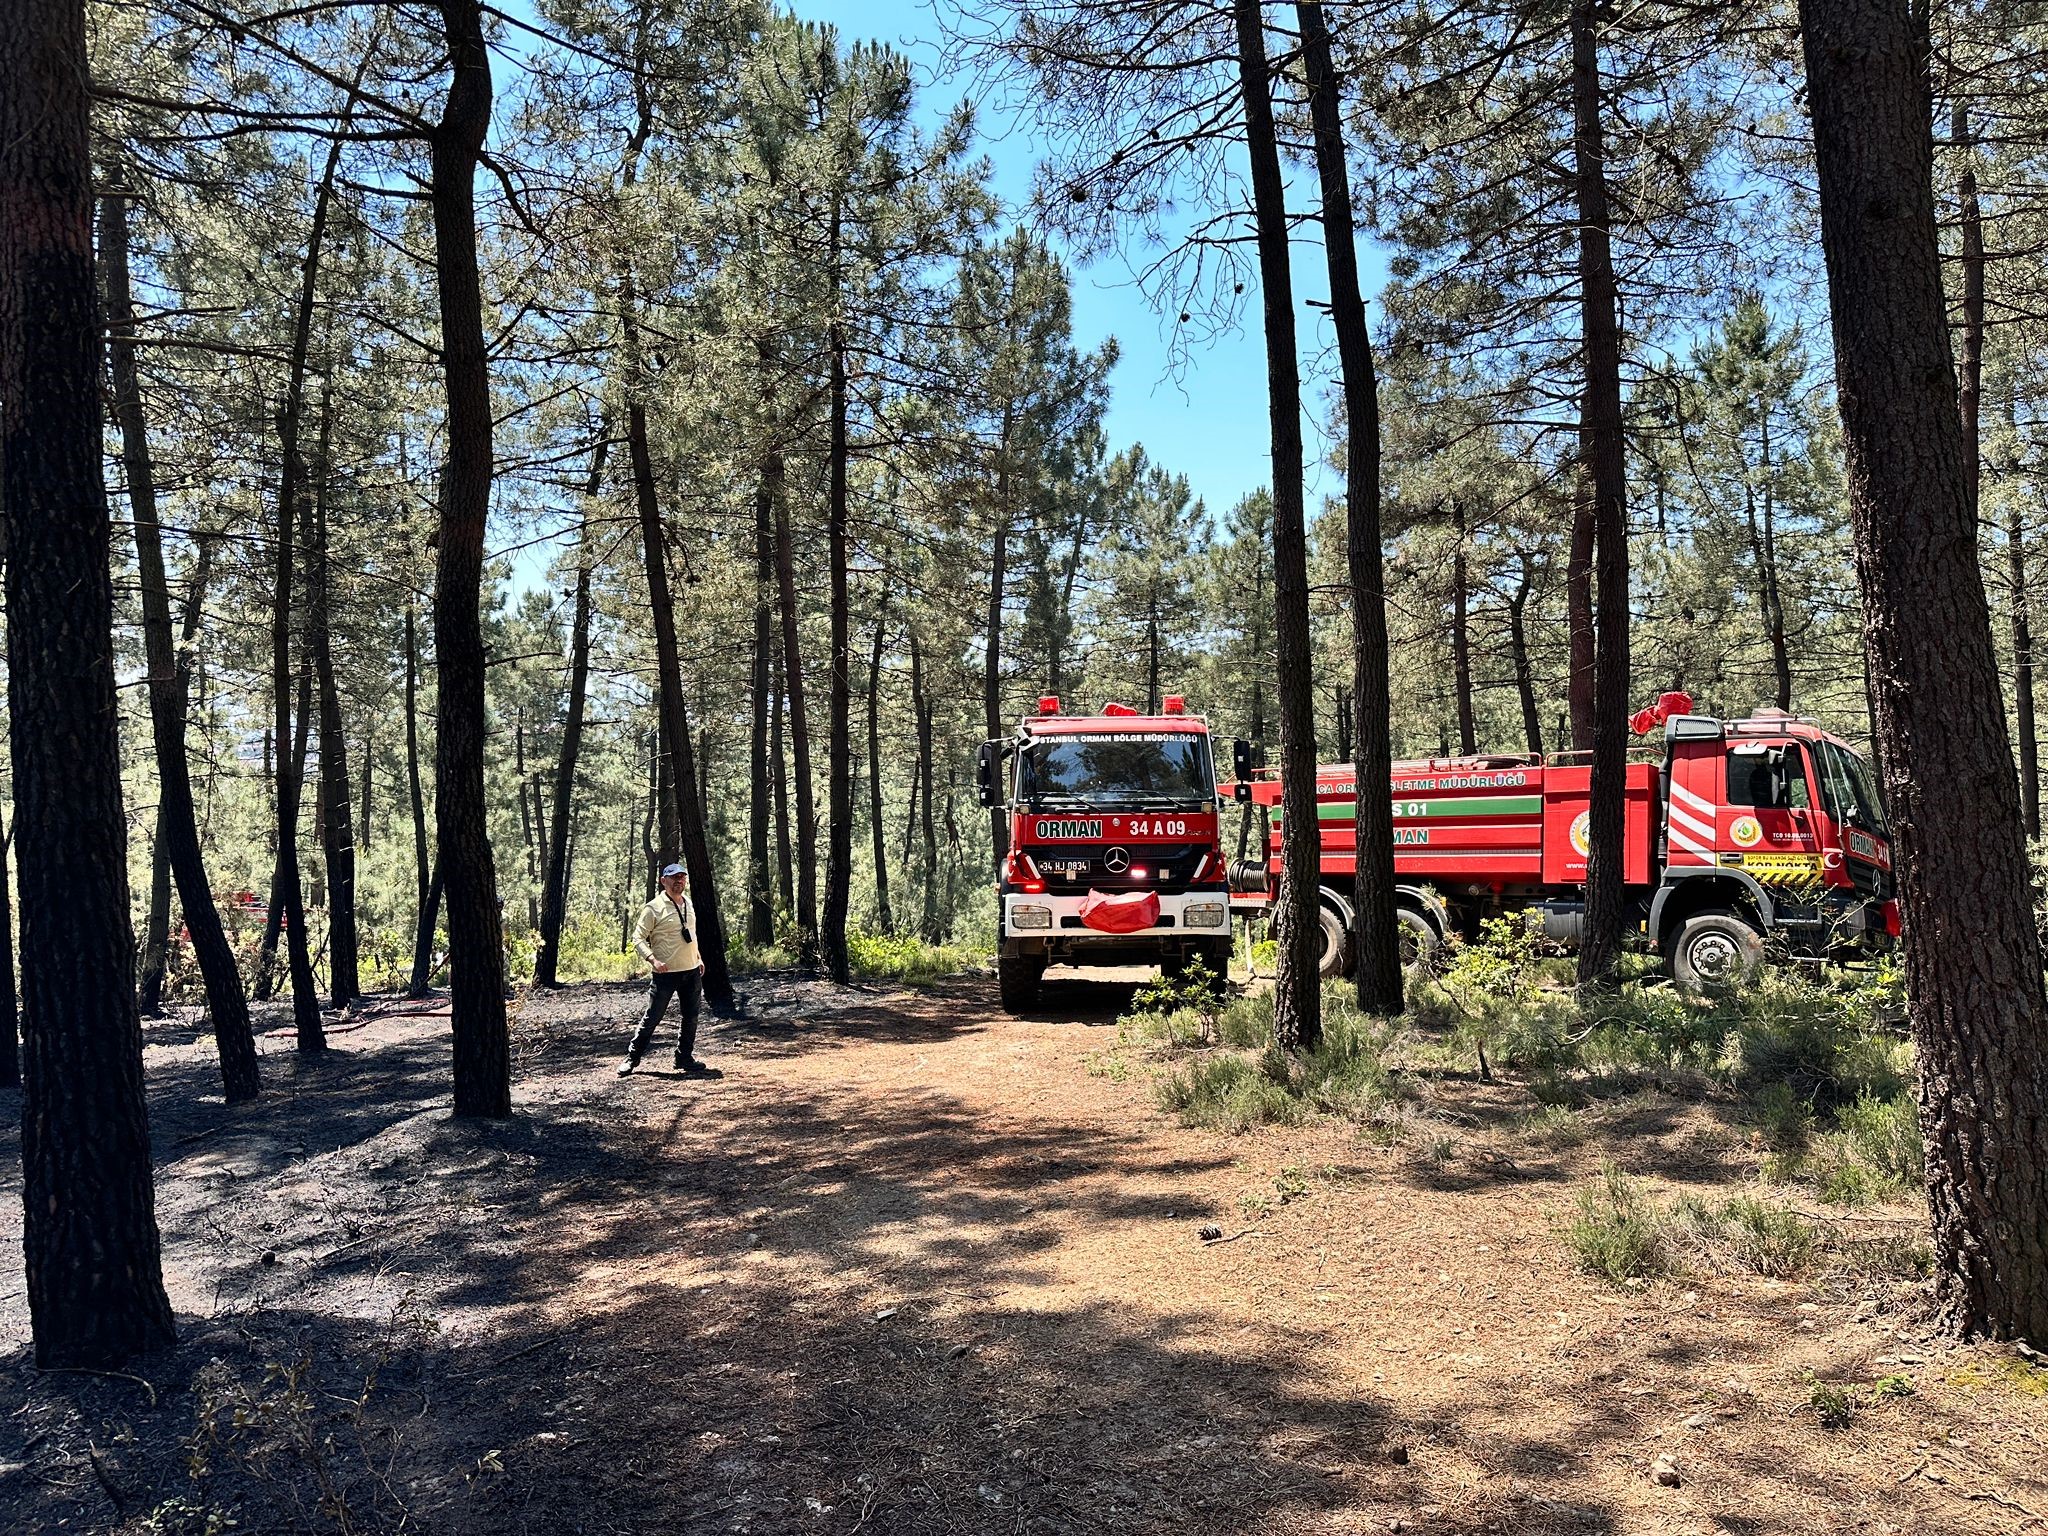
1615, 1232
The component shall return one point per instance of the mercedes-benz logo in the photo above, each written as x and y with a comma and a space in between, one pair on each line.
1117, 860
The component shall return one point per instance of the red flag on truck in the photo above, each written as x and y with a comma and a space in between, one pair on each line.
1120, 911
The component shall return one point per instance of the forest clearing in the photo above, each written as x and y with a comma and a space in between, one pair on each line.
1023, 766
915, 1266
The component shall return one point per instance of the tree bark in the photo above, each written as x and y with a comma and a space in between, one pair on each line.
1518, 651
1461, 637
1375, 935
885, 920
1972, 954
337, 825
476, 950
555, 893
839, 692
1297, 1017
89, 1236
680, 776
294, 512
422, 859
10, 1009
785, 877
992, 668
1602, 450
170, 673
806, 907
920, 706
760, 802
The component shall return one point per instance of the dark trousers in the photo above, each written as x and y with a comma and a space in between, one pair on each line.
687, 988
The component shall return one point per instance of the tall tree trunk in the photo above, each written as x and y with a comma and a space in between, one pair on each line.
170, 672
89, 1235
10, 1009
885, 920
337, 825
476, 949
992, 638
423, 920
920, 706
156, 926
294, 513
1972, 954
806, 905
426, 925
839, 693
1602, 450
2021, 619
1578, 603
1461, 637
555, 894
1518, 651
760, 806
1375, 935
680, 776
785, 877
1297, 1016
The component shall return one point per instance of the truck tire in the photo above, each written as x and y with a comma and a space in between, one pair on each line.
1335, 959
1019, 977
1716, 953
1420, 941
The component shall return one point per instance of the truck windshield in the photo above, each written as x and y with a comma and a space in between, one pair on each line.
1846, 783
1116, 768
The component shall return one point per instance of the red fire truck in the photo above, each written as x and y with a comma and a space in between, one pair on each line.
1115, 853
1736, 832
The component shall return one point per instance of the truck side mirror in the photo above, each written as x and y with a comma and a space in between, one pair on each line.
985, 773
1241, 767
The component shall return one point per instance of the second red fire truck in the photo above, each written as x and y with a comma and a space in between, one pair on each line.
1737, 832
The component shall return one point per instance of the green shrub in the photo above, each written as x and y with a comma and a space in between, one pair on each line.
1615, 1232
1768, 1239
1227, 1093
1834, 1406
1884, 1135
589, 950
905, 957
1246, 1020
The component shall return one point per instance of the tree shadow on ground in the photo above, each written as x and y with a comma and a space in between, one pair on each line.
759, 1306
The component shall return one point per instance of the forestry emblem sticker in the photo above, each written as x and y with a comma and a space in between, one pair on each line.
1581, 835
1746, 831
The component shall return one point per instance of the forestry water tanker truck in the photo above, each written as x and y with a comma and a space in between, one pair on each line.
1736, 832
1115, 852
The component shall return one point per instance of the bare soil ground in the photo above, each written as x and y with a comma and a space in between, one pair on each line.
912, 1266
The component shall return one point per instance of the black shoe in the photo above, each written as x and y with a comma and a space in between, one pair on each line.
626, 1067
692, 1067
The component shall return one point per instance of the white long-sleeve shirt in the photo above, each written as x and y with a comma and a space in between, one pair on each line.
667, 932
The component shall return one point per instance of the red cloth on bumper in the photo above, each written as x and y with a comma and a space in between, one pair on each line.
1120, 911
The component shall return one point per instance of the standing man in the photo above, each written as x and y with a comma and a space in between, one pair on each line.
666, 938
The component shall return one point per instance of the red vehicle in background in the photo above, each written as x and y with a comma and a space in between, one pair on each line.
1738, 833
1115, 852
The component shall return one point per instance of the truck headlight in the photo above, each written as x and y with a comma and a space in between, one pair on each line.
1202, 914
1030, 917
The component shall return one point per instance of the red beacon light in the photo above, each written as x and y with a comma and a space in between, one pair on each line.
1118, 709
1173, 704
1049, 704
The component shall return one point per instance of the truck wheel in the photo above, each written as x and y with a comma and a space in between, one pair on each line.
1716, 952
1336, 953
1419, 940
1019, 977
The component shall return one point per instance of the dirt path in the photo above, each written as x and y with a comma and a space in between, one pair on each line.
912, 1266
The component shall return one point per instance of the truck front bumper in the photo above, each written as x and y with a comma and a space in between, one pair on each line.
1186, 915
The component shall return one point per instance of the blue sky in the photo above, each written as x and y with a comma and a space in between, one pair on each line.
1207, 419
